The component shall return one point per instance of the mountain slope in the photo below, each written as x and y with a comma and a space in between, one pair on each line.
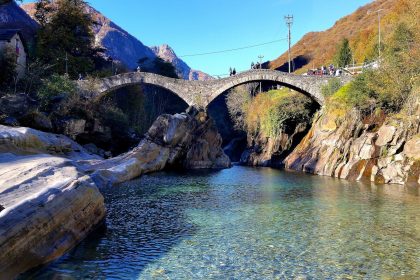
122, 46
361, 28
13, 17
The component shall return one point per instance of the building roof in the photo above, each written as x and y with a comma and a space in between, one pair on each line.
7, 34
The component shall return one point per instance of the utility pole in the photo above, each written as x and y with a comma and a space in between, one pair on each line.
289, 22
67, 66
379, 31
260, 58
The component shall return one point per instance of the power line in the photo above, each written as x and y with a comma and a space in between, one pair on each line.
232, 50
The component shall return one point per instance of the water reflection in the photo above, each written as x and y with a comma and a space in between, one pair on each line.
246, 223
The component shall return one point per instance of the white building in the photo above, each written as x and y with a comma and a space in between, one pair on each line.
11, 39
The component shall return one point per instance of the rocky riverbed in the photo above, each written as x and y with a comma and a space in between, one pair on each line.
50, 196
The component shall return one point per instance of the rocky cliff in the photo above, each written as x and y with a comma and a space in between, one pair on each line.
271, 151
362, 148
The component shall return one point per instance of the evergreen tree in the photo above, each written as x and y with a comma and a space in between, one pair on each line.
65, 36
344, 55
158, 66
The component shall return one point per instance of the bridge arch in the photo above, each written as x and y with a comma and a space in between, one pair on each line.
307, 85
101, 87
202, 93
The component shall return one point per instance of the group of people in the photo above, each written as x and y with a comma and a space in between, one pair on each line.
232, 72
255, 66
325, 71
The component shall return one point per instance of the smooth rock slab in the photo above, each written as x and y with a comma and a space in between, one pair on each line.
49, 207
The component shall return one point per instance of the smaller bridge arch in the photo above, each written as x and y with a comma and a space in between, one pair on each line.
202, 93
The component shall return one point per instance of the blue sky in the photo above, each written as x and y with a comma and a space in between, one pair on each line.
197, 26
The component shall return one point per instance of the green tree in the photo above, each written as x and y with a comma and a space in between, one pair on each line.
343, 57
65, 37
158, 66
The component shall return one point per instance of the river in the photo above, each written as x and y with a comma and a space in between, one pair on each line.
248, 223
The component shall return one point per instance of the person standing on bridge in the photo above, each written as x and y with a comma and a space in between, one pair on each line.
138, 69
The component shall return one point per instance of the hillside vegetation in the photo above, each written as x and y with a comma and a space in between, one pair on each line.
360, 28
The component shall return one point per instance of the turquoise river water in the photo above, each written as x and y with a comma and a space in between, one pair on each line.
246, 223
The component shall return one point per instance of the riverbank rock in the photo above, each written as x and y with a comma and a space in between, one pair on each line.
358, 148
24, 141
48, 207
188, 140
271, 151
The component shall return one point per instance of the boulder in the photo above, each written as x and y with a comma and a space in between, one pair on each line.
180, 140
37, 120
74, 127
48, 208
9, 121
412, 147
385, 135
14, 104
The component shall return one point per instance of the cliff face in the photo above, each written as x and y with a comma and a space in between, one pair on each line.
183, 70
357, 148
271, 151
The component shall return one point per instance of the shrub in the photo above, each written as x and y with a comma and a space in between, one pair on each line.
56, 86
115, 118
332, 87
275, 111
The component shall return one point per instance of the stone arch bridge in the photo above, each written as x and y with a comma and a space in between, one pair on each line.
202, 93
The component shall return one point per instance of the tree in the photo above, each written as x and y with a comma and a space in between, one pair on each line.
43, 9
158, 66
7, 67
65, 38
343, 57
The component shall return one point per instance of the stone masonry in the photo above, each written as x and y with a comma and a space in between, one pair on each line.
202, 93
